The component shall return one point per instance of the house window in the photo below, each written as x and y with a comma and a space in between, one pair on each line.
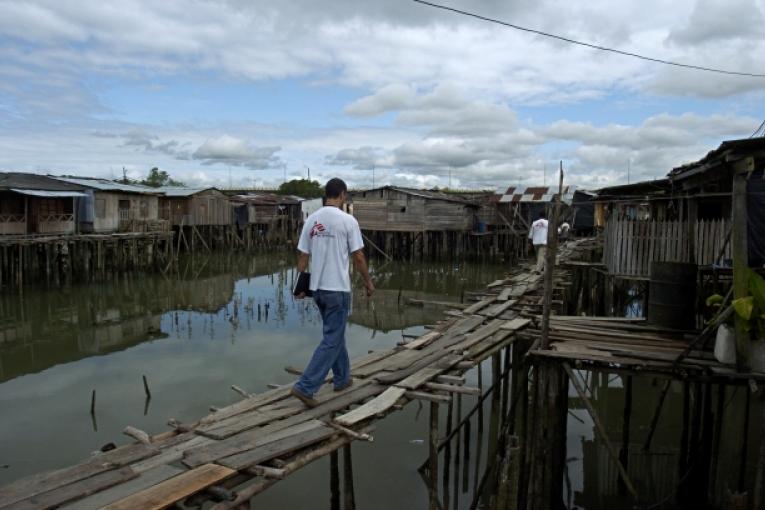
100, 208
403, 209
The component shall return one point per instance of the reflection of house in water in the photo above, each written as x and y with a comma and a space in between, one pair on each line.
654, 472
384, 313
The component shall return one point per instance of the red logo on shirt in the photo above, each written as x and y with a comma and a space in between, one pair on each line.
317, 229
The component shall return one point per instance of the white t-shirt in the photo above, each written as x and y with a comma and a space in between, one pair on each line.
330, 236
538, 232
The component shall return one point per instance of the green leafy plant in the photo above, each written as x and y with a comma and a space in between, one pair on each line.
751, 308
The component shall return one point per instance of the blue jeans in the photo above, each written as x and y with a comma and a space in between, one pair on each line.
331, 352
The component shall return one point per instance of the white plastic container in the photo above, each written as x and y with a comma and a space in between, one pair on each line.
725, 345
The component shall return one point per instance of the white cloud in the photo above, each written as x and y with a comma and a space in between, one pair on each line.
234, 151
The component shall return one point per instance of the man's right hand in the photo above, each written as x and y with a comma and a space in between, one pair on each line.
370, 287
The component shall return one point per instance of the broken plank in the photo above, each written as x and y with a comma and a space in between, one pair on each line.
424, 375
174, 489
377, 405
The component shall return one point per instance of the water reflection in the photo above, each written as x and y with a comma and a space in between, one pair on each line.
217, 321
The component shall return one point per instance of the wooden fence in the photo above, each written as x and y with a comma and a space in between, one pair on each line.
630, 246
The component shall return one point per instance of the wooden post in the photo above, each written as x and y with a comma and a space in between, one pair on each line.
741, 169
433, 461
350, 498
552, 248
334, 481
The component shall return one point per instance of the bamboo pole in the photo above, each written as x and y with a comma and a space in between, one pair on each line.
433, 458
348, 492
740, 256
552, 248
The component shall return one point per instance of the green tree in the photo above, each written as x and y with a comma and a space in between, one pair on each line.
158, 178
302, 188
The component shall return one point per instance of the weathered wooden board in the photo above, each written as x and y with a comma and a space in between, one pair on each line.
466, 325
478, 335
174, 489
479, 305
424, 340
505, 294
252, 419
171, 454
375, 406
312, 432
123, 490
76, 490
424, 375
244, 440
44, 482
495, 310
515, 324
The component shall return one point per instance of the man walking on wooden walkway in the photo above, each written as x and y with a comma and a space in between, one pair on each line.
538, 237
330, 237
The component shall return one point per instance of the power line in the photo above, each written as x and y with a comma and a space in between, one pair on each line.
758, 130
589, 45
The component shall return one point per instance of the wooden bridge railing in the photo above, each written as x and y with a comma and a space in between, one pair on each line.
631, 245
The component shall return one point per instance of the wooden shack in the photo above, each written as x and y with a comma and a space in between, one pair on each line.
194, 207
116, 207
36, 204
268, 215
395, 209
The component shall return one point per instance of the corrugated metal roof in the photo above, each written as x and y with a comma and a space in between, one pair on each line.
49, 194
172, 191
21, 180
538, 194
107, 185
266, 199
427, 194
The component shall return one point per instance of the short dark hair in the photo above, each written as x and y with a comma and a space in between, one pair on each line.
542, 215
334, 188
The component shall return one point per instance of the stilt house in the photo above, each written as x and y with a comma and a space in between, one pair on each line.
116, 207
35, 204
194, 207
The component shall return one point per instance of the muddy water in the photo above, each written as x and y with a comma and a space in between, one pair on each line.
223, 321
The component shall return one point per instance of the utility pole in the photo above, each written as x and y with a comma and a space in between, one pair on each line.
309, 171
629, 160
124, 175
373, 176
544, 173
450, 177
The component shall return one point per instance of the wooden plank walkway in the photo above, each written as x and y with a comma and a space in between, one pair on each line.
267, 436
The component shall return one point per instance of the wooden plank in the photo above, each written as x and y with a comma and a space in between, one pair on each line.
174, 489
478, 335
516, 324
496, 310
466, 325
236, 443
43, 482
375, 406
505, 294
251, 419
123, 490
312, 432
170, 454
424, 340
426, 374
479, 305
82, 488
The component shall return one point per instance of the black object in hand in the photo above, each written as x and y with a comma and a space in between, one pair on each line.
303, 285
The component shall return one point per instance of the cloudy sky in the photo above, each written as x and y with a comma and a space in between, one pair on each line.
248, 92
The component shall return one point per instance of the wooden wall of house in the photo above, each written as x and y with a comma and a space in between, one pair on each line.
109, 210
441, 215
208, 207
12, 217
51, 216
394, 211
